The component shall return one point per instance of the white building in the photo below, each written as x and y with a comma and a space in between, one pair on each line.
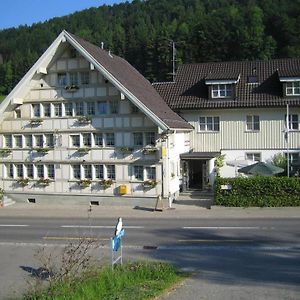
84, 122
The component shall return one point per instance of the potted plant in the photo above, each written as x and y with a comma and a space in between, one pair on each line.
84, 120
71, 88
106, 183
151, 183
5, 152
43, 181
23, 181
85, 182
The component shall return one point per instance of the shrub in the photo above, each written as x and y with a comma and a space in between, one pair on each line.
258, 191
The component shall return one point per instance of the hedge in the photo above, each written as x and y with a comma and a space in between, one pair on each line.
258, 191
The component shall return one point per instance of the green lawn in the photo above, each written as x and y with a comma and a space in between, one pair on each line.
138, 280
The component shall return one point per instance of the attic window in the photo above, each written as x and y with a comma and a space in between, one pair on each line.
252, 79
73, 53
221, 90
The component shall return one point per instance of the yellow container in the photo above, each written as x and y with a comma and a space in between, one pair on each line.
123, 189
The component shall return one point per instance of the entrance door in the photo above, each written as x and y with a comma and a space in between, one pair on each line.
195, 174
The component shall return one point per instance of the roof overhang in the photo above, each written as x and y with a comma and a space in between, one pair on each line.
289, 79
231, 81
199, 155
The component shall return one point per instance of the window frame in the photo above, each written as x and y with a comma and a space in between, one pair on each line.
219, 88
254, 155
252, 121
292, 88
215, 126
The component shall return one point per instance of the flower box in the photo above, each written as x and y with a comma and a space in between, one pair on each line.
43, 181
84, 120
125, 150
149, 151
84, 150
150, 183
106, 183
71, 88
36, 122
85, 183
42, 150
23, 181
5, 152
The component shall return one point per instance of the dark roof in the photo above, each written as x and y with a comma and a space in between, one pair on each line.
136, 83
189, 90
229, 75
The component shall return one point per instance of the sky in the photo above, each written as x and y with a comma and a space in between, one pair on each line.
26, 12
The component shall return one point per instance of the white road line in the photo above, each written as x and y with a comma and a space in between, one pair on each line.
13, 225
220, 227
99, 226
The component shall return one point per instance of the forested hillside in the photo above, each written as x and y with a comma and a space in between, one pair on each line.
140, 31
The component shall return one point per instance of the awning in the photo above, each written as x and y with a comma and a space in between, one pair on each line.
199, 155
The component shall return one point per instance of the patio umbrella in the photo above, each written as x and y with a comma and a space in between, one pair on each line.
261, 168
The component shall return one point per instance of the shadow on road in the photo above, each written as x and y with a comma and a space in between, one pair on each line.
40, 273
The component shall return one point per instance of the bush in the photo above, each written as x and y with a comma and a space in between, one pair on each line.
258, 191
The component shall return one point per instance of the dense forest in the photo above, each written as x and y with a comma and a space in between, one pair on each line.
142, 31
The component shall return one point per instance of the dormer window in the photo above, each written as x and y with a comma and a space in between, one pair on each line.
293, 88
221, 91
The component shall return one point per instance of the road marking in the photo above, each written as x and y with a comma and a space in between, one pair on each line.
214, 241
99, 226
70, 238
13, 225
221, 227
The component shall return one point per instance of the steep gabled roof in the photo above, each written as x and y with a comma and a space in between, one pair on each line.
117, 70
134, 85
189, 91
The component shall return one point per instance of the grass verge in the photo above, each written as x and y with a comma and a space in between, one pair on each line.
2, 97
138, 280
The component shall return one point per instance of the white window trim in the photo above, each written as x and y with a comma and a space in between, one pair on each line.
252, 123
206, 130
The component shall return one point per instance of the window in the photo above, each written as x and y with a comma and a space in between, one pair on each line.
19, 169
150, 138
73, 78
57, 110
18, 141
252, 123
99, 171
29, 170
40, 171
28, 141
87, 171
79, 109
102, 107
293, 88
49, 140
91, 108
98, 138
253, 156
111, 172
75, 140
138, 172
47, 110
221, 90
50, 171
252, 79
138, 139
85, 77
293, 122
209, 123
39, 141
293, 162
36, 112
62, 79
18, 113
150, 173
87, 141
110, 139
76, 171
10, 171
69, 109
114, 107
8, 141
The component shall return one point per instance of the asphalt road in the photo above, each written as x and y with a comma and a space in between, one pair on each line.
256, 258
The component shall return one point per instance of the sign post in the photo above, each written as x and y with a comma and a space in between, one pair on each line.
116, 245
